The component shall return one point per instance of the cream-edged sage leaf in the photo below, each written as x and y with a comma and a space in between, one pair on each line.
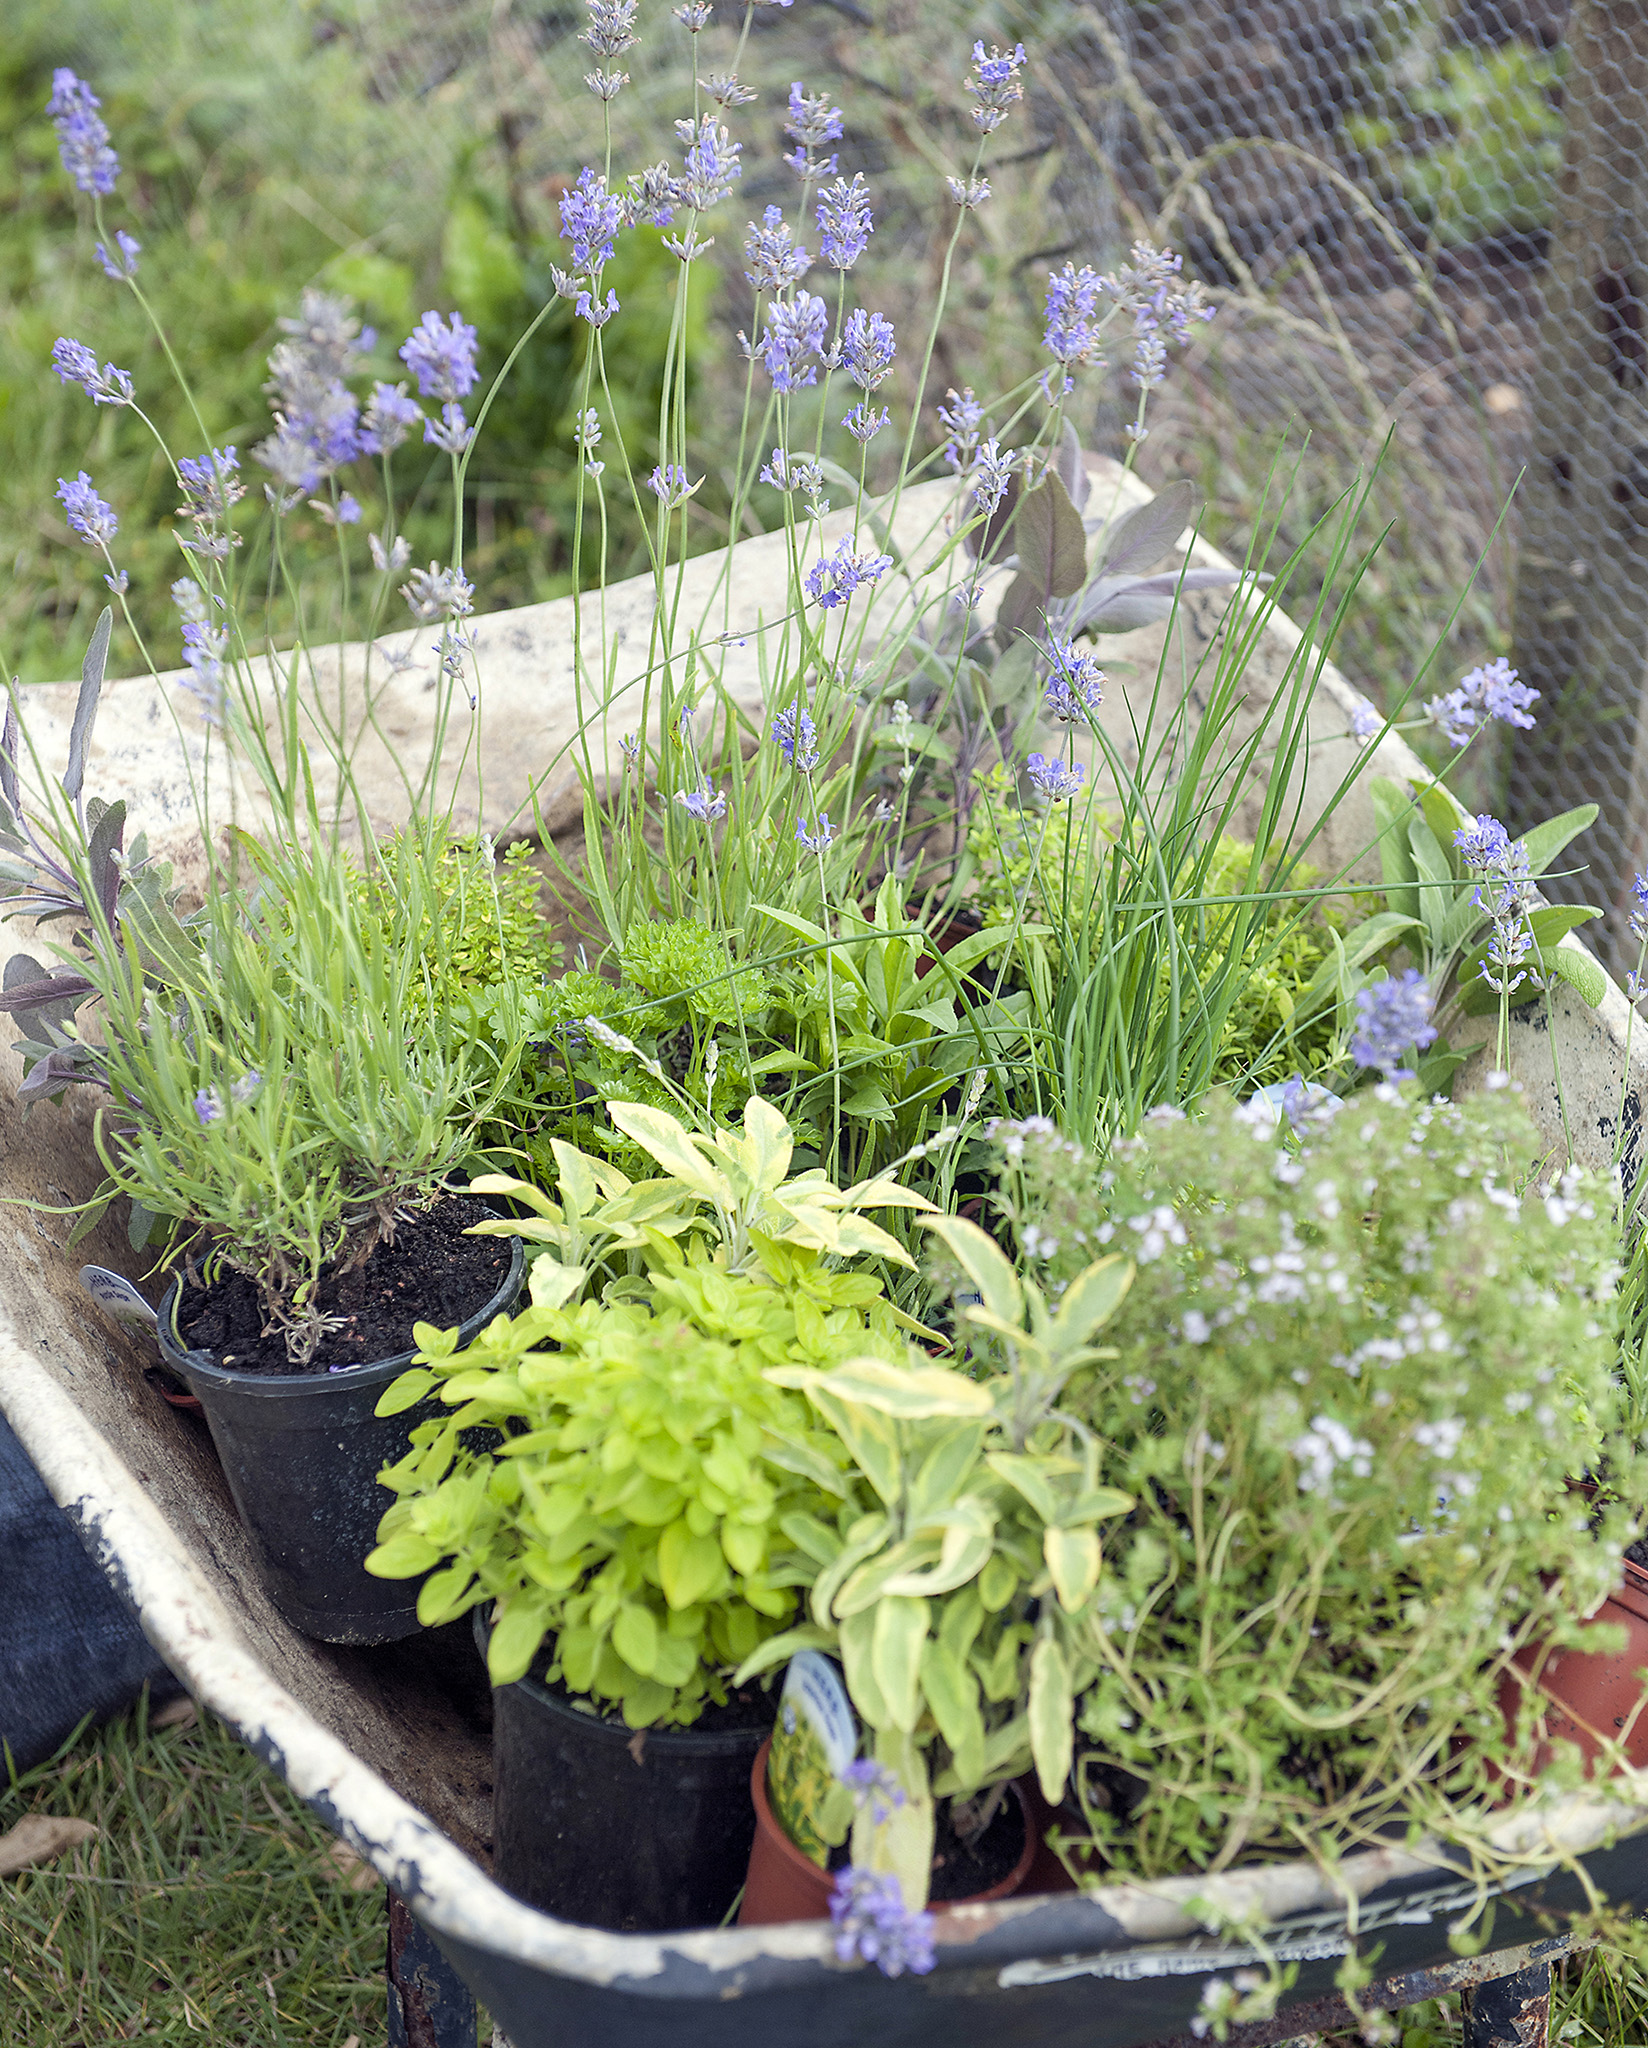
1090, 1300
1073, 1558
855, 1641
551, 1284
515, 1191
909, 1393
664, 1138
952, 1693
778, 1650
895, 1655
966, 1549
984, 1263
1051, 1716
1028, 1477
882, 1193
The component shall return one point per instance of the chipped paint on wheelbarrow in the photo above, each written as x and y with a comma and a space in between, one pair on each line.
1112, 1969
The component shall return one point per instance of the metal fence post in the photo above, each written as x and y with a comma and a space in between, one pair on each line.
1582, 585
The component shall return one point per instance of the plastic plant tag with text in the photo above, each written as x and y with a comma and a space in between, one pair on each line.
117, 1297
813, 1742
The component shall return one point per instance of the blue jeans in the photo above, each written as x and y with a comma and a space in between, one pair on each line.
69, 1646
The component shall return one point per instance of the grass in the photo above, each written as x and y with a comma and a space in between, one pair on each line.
212, 1905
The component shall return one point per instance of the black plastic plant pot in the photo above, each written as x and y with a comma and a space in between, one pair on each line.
638, 1831
302, 1454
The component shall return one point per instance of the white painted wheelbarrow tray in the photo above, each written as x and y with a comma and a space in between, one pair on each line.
390, 1747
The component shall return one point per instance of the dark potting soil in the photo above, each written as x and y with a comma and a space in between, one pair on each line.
1637, 1553
963, 1869
430, 1273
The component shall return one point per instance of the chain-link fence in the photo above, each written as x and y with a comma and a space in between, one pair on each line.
1428, 224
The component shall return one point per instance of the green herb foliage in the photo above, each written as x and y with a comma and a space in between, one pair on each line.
1351, 1382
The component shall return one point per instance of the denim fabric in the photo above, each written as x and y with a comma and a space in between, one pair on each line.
68, 1644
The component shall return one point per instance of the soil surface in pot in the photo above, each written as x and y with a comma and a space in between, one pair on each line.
962, 1869
431, 1273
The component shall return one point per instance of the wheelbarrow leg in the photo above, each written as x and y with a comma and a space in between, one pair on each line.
430, 2005
1511, 2012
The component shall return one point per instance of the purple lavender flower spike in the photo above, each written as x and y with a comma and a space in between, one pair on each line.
994, 85
208, 1106
123, 263
590, 219
962, 419
1076, 688
1485, 844
75, 364
833, 579
864, 422
452, 432
92, 517
1492, 691
844, 221
797, 737
1391, 1016
811, 121
794, 332
1072, 333
868, 348
992, 472
82, 139
389, 417
703, 804
441, 357
815, 842
1052, 780
712, 166
873, 1923
773, 258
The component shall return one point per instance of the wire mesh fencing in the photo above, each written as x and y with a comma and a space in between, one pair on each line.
1427, 224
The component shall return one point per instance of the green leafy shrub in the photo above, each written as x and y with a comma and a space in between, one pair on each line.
635, 1509
1350, 1385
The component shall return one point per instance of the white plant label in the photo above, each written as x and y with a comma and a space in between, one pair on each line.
117, 1297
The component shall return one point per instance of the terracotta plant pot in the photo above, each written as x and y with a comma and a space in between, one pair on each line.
1597, 1695
785, 1885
